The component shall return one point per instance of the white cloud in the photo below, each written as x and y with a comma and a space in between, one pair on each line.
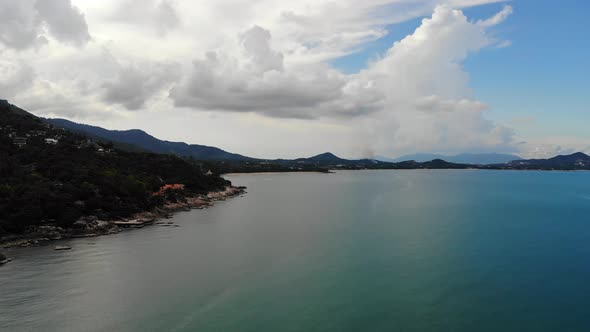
62, 99
259, 81
19, 24
14, 77
498, 18
28, 23
429, 106
265, 60
160, 16
504, 44
550, 146
135, 85
65, 22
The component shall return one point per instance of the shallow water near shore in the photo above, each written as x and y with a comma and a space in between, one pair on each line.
350, 251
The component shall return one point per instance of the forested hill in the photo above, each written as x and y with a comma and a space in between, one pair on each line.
142, 140
51, 175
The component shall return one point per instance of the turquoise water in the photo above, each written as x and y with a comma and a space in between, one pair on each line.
352, 251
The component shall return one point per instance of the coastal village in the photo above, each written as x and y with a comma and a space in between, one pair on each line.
45, 133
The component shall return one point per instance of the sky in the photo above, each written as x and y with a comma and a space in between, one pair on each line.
285, 79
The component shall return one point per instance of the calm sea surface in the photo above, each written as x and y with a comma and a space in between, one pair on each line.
352, 251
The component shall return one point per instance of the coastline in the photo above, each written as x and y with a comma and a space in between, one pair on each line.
293, 172
91, 226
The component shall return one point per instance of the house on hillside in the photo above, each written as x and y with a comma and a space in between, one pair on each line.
51, 141
166, 187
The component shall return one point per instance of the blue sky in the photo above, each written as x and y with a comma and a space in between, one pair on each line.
539, 83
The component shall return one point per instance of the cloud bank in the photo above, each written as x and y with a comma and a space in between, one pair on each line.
263, 66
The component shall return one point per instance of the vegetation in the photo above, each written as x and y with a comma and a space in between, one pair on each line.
49, 175
59, 176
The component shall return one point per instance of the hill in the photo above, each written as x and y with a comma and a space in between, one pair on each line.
575, 161
326, 157
52, 176
144, 141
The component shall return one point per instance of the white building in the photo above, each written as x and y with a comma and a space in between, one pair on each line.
51, 141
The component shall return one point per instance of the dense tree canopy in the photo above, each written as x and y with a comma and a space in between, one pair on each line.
59, 182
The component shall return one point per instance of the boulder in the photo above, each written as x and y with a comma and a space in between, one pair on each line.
91, 225
50, 232
3, 259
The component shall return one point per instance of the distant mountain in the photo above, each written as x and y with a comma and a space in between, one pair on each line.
330, 161
483, 158
327, 157
464, 158
146, 142
576, 161
419, 157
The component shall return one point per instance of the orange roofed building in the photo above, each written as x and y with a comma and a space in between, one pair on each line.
176, 186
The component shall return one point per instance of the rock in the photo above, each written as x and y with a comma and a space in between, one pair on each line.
45, 233
3, 259
62, 248
92, 226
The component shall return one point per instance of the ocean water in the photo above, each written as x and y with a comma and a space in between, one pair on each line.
351, 251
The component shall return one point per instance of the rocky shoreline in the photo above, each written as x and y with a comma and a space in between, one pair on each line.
91, 226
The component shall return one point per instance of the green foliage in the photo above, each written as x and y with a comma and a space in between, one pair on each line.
59, 183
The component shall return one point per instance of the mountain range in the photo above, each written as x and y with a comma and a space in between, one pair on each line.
464, 158
144, 141
138, 140
575, 161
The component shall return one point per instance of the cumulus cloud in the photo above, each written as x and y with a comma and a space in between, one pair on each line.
259, 82
28, 23
14, 78
266, 60
256, 43
62, 99
160, 15
416, 96
19, 24
428, 105
134, 85
436, 103
64, 21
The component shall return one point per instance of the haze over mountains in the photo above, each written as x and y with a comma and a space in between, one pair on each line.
226, 162
140, 139
464, 158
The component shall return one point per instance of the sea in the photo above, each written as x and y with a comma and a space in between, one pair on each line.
404, 250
